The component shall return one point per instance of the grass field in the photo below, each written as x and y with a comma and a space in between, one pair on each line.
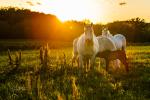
61, 81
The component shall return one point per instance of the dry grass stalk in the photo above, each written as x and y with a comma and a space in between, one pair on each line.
41, 55
44, 56
18, 59
29, 83
64, 58
10, 58
75, 92
59, 97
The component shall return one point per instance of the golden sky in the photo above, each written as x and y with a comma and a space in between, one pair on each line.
98, 11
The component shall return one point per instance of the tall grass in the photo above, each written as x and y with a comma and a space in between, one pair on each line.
47, 74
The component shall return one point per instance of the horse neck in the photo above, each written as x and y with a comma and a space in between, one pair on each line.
105, 34
93, 35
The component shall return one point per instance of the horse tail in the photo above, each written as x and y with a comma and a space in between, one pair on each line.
124, 47
124, 43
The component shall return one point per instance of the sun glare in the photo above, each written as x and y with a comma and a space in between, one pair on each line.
73, 9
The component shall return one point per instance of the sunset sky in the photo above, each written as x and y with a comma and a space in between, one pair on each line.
96, 10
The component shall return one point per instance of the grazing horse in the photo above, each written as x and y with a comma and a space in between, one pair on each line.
87, 47
113, 55
107, 44
118, 39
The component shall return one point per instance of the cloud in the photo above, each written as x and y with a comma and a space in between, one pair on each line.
38, 3
30, 3
33, 3
122, 3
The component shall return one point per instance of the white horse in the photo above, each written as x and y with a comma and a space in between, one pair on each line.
106, 44
118, 39
87, 47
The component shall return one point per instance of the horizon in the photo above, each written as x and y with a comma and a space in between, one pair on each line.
97, 11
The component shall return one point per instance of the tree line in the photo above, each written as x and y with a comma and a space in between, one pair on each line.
25, 24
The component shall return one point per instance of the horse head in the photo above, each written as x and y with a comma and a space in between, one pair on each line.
89, 33
106, 32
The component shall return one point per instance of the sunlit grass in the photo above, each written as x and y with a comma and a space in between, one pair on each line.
96, 84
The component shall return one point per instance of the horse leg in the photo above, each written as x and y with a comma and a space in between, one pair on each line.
92, 62
124, 61
99, 62
80, 65
127, 67
75, 54
80, 61
73, 60
107, 64
124, 45
88, 66
85, 63
118, 63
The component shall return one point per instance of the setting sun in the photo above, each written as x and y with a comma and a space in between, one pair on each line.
97, 11
73, 9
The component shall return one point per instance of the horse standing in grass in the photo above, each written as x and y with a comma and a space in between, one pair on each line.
118, 39
106, 44
87, 47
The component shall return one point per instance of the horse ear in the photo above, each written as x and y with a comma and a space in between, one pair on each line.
84, 24
106, 27
91, 24
103, 28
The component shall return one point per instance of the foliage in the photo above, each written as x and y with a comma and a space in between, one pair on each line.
24, 24
135, 30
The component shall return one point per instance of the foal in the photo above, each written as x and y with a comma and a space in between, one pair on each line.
113, 55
